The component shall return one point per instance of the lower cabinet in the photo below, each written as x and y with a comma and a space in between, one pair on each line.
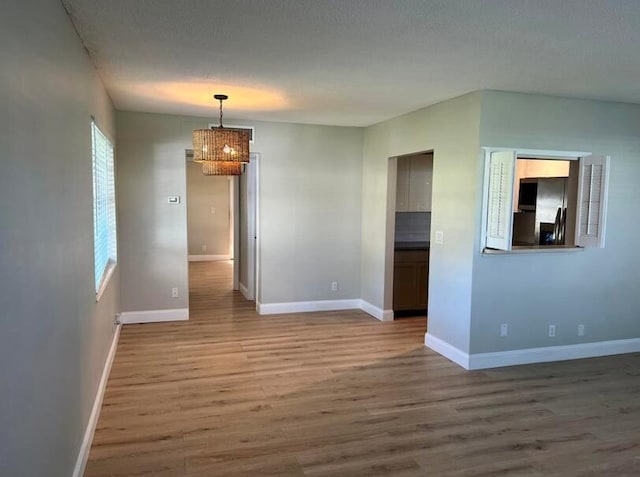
410, 280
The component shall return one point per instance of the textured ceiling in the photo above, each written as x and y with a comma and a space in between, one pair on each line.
354, 62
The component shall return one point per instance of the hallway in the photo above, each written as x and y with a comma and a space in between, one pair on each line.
231, 393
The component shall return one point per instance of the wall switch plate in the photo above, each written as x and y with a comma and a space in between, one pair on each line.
580, 330
212, 210
204, 247
552, 331
174, 293
334, 286
504, 329
439, 237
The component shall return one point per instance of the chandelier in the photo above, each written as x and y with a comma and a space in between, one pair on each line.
221, 151
221, 168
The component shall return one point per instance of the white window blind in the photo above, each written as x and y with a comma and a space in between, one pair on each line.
104, 206
592, 201
500, 199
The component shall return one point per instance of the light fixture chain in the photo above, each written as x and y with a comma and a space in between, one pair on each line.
220, 113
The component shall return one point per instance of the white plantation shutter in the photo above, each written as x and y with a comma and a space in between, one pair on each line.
592, 201
104, 210
500, 199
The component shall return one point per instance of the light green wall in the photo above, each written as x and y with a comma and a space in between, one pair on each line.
54, 337
151, 166
310, 202
451, 130
596, 287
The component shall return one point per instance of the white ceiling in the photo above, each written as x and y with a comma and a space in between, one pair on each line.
354, 62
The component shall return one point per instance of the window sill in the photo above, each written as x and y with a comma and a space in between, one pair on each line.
534, 249
105, 280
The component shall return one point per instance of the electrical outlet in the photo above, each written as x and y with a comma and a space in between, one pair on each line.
174, 293
580, 330
212, 210
552, 331
504, 329
439, 237
334, 286
204, 247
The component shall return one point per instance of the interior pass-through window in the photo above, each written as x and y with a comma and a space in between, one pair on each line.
544, 199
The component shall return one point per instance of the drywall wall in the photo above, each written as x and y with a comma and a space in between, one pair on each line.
310, 200
151, 166
207, 213
451, 130
595, 287
310, 204
54, 337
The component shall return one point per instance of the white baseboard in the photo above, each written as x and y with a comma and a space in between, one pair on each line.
324, 305
531, 355
448, 351
209, 258
379, 313
553, 353
307, 306
245, 291
85, 448
154, 316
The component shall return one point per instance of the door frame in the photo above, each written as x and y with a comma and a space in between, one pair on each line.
251, 289
390, 230
234, 218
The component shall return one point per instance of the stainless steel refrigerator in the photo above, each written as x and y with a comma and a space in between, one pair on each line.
542, 211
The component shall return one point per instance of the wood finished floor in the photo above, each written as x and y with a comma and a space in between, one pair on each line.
230, 393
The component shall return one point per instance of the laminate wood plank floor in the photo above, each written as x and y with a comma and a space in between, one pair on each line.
230, 393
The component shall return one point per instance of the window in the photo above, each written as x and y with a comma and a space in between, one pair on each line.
104, 209
560, 202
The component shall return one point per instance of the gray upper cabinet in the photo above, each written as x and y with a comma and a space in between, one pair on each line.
413, 190
402, 187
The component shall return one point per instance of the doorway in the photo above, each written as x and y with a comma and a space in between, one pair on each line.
408, 234
209, 213
222, 222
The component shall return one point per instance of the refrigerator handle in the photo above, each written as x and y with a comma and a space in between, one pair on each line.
563, 226
556, 227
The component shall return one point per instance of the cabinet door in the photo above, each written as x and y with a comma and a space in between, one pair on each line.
423, 284
402, 185
405, 282
420, 178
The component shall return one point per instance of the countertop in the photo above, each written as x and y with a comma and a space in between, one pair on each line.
412, 245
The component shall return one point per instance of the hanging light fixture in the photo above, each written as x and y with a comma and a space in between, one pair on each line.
221, 168
221, 151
